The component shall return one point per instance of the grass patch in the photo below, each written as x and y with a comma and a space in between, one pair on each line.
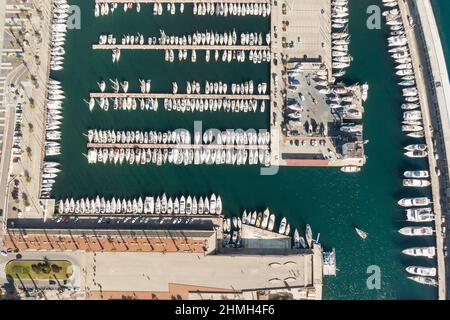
39, 269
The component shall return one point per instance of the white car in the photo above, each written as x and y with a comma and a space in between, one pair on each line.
3, 253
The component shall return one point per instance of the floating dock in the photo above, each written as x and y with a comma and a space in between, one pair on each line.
178, 96
178, 47
176, 146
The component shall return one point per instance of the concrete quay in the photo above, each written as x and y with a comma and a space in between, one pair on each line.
432, 77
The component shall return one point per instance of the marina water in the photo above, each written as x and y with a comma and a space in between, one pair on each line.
333, 203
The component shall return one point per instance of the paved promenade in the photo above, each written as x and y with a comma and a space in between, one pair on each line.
432, 76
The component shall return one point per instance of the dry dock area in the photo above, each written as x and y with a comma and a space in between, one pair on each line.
304, 128
230, 275
182, 261
258, 238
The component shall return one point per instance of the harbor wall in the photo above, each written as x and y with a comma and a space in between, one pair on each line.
433, 84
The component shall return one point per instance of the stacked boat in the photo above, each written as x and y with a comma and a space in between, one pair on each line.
55, 97
418, 208
199, 8
419, 211
421, 274
343, 100
191, 104
159, 205
210, 38
213, 105
232, 9
266, 220
199, 39
416, 151
50, 171
399, 50
60, 13
340, 37
254, 56
236, 147
263, 220
231, 229
52, 147
103, 9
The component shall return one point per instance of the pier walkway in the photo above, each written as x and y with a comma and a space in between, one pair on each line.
176, 146
426, 50
177, 47
178, 96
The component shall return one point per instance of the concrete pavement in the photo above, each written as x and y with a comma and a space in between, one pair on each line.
424, 43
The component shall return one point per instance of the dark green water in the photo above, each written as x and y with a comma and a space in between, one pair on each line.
441, 10
332, 202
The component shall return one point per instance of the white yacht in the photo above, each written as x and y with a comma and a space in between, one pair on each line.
417, 183
424, 280
420, 215
417, 174
421, 271
427, 252
414, 202
416, 231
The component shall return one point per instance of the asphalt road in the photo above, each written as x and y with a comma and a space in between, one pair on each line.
117, 223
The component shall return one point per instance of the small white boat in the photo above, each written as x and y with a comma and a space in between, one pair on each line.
350, 169
282, 228
296, 239
362, 234
417, 183
265, 220
271, 222
416, 154
309, 235
418, 174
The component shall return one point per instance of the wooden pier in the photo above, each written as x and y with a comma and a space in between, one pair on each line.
185, 1
177, 146
178, 47
178, 96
